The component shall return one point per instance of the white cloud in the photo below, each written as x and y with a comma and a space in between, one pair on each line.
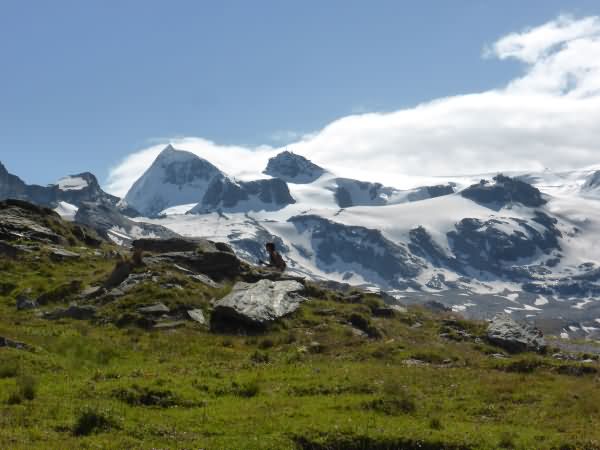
548, 117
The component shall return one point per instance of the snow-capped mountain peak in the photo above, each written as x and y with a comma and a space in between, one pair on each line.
175, 177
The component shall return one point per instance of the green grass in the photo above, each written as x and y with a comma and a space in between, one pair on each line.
308, 382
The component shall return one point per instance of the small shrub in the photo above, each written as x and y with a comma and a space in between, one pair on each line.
260, 357
91, 420
290, 338
435, 424
524, 365
430, 356
9, 369
27, 386
14, 398
246, 390
363, 323
393, 406
146, 396
266, 344
507, 440
227, 342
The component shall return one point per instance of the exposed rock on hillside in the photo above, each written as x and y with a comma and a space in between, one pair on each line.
23, 220
491, 246
514, 337
349, 192
364, 251
502, 191
111, 224
213, 259
227, 195
258, 304
293, 168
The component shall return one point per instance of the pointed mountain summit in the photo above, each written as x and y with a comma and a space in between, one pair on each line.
176, 177
293, 168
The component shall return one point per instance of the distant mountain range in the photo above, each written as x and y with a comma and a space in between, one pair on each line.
524, 243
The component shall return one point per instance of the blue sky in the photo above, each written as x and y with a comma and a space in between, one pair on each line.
84, 84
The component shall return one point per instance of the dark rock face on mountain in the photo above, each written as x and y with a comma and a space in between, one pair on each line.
592, 182
422, 245
107, 220
362, 250
485, 246
11, 186
252, 248
438, 190
514, 337
349, 192
356, 193
83, 187
225, 194
293, 168
257, 304
74, 189
175, 177
502, 191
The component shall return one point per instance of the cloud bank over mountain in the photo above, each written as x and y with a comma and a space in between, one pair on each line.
546, 117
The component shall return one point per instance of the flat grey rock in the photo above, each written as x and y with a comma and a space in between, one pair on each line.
5, 342
259, 303
505, 332
92, 292
205, 280
158, 308
24, 302
197, 316
60, 254
169, 325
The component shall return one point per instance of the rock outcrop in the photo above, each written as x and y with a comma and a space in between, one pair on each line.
216, 260
257, 304
514, 337
293, 168
502, 191
228, 195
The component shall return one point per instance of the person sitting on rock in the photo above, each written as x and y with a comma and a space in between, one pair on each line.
275, 259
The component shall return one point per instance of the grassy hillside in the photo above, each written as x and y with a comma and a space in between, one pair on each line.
334, 375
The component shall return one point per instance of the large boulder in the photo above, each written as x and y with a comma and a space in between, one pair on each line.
514, 337
213, 259
166, 245
258, 304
